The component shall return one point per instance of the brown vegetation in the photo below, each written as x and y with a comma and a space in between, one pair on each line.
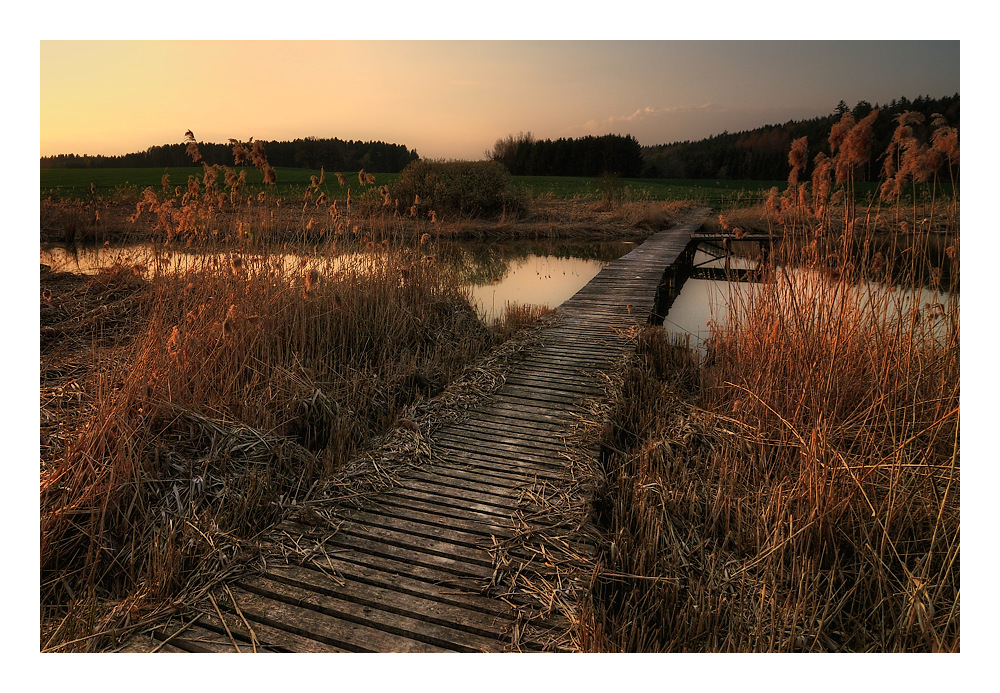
188, 402
797, 489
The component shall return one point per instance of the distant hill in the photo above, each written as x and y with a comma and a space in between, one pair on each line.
762, 153
313, 153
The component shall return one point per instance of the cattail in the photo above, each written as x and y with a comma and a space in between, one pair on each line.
322, 175
165, 181
230, 322
771, 203
173, 344
821, 184
433, 215
362, 178
192, 151
424, 238
839, 131
855, 149
192, 147
916, 162
257, 156
797, 159
269, 176
240, 153
342, 179
878, 262
211, 174
313, 279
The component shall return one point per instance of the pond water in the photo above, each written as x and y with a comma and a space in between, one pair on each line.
542, 273
536, 280
703, 303
539, 273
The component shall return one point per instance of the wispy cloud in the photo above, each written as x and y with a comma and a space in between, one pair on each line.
662, 124
652, 113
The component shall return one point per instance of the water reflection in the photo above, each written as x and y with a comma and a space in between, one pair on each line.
539, 273
704, 303
538, 280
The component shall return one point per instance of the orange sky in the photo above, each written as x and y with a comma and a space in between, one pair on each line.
453, 99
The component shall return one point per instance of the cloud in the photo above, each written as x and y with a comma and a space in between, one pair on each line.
664, 124
652, 113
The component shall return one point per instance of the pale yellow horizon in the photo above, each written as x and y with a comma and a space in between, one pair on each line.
454, 99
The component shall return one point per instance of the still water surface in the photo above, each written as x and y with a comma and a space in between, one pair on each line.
497, 275
501, 274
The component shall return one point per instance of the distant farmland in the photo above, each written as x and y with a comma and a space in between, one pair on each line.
128, 182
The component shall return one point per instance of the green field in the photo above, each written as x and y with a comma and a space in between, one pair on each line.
125, 183
111, 183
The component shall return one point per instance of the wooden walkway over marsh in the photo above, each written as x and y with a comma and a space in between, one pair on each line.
415, 570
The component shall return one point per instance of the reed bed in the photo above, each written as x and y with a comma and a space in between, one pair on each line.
191, 401
797, 486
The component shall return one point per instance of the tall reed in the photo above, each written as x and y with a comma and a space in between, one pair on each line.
252, 377
800, 489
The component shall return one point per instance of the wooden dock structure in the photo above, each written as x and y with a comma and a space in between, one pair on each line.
412, 570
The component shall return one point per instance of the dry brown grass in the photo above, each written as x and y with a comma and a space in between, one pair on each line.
799, 489
225, 390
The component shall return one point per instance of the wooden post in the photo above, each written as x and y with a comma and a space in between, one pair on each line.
671, 284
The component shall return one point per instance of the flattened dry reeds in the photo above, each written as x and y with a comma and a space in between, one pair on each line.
245, 386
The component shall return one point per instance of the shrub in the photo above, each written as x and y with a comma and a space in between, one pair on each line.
464, 188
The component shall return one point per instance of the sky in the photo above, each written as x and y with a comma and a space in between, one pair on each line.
453, 99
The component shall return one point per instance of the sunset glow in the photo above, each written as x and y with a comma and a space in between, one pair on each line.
453, 99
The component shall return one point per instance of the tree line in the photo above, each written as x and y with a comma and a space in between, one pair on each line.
762, 153
333, 154
523, 155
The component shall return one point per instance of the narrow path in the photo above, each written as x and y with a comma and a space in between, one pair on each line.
412, 571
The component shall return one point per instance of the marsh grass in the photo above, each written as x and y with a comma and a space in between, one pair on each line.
798, 489
190, 405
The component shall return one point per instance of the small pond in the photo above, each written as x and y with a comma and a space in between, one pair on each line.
539, 273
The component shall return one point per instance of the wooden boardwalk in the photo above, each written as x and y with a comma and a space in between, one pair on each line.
410, 571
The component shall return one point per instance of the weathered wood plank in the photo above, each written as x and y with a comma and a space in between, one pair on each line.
346, 630
374, 626
410, 570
